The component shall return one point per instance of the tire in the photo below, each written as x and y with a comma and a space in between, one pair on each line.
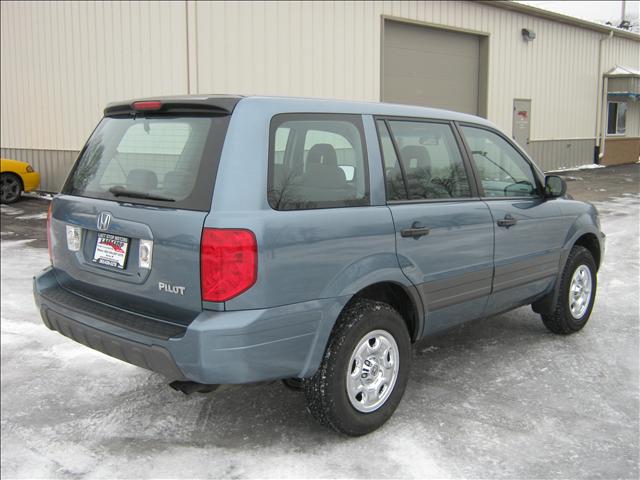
10, 188
579, 274
364, 324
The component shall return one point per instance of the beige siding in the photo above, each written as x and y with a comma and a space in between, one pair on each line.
633, 119
53, 165
325, 49
62, 62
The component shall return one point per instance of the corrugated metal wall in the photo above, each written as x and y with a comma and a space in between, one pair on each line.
63, 61
559, 154
53, 165
633, 118
327, 49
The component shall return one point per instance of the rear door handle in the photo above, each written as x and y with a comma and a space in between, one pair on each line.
507, 221
416, 231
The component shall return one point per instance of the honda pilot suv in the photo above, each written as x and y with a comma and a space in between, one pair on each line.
227, 240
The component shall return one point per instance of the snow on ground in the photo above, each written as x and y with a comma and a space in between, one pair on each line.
496, 398
33, 216
588, 166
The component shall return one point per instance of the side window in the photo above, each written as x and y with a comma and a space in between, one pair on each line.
503, 171
616, 118
317, 161
392, 171
431, 160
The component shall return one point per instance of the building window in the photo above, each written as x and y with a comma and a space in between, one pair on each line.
617, 118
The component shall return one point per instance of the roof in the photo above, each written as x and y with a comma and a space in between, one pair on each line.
324, 105
275, 105
558, 17
619, 71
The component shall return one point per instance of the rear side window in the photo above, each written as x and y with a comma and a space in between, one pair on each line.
394, 179
429, 159
317, 161
168, 161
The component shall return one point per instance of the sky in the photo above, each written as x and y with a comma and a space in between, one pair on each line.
597, 11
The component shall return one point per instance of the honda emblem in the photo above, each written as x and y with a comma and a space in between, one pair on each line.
104, 219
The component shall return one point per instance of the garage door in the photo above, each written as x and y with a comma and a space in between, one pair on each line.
430, 67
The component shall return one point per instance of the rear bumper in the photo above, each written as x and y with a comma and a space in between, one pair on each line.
30, 181
216, 348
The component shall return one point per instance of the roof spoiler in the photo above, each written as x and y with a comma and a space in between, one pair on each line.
213, 105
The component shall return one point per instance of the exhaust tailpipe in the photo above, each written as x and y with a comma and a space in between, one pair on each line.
187, 387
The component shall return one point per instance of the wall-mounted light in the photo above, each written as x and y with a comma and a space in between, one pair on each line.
528, 35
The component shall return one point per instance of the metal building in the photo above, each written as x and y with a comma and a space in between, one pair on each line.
566, 89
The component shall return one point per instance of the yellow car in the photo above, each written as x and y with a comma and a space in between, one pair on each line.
16, 177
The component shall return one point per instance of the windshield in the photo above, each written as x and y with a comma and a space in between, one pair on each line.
168, 161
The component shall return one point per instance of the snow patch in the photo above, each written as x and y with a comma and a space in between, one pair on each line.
43, 195
33, 216
589, 166
10, 210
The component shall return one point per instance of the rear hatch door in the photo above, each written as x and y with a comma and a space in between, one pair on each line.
126, 229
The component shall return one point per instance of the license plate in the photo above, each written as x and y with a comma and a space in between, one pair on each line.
111, 250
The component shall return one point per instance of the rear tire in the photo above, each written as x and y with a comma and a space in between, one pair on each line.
10, 188
576, 294
364, 371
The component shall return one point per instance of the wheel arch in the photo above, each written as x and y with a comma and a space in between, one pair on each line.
403, 297
590, 242
586, 238
404, 300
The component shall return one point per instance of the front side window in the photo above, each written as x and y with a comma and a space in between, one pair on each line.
502, 170
430, 162
617, 118
317, 161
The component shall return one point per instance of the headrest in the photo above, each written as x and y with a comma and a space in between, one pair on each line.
420, 153
142, 180
322, 153
177, 182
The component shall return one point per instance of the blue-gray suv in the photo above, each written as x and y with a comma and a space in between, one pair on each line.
222, 239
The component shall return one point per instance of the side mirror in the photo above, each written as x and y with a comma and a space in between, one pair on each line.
554, 186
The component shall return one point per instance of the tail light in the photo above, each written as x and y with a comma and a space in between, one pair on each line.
228, 263
147, 105
49, 232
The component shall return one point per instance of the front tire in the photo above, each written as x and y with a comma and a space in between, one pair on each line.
576, 295
364, 371
10, 188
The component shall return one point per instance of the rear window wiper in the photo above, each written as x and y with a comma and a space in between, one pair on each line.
119, 191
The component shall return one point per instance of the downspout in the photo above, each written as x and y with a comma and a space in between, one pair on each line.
603, 130
601, 104
186, 30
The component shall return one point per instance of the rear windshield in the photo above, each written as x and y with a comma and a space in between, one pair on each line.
160, 161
